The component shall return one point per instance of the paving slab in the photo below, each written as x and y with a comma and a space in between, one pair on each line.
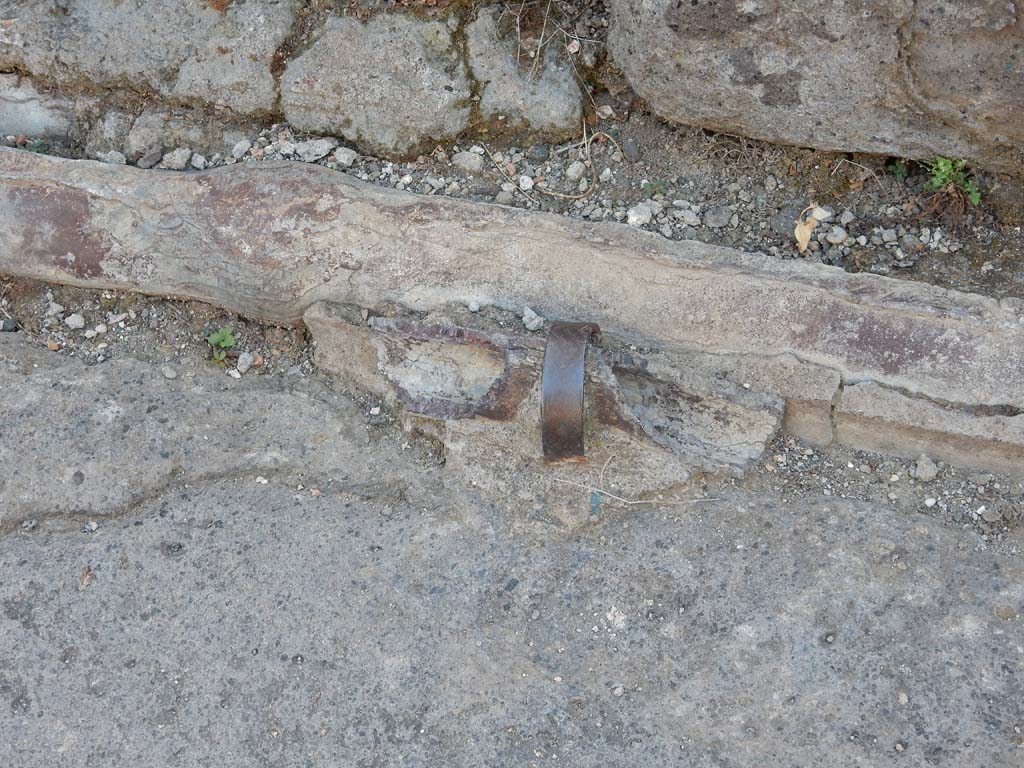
233, 623
354, 602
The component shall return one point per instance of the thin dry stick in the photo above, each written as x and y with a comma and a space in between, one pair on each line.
540, 44
629, 501
594, 181
504, 173
857, 165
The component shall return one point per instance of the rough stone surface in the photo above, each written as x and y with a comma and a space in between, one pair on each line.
545, 100
388, 85
300, 589
274, 238
170, 433
171, 128
905, 78
24, 110
212, 53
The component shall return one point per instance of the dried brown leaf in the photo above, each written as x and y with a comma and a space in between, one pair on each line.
802, 233
605, 112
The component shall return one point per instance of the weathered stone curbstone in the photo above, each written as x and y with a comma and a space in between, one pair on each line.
912, 79
270, 240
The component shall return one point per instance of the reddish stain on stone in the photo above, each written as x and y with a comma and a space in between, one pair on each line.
56, 224
250, 206
894, 346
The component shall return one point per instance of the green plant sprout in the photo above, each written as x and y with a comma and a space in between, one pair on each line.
221, 340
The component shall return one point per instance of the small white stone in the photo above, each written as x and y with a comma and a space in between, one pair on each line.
345, 157
101, 328
234, 374
178, 159
473, 306
239, 150
837, 235
90, 334
198, 162
639, 215
168, 372
245, 361
261, 480
75, 322
532, 320
576, 170
929, 502
525, 183
375, 411
470, 162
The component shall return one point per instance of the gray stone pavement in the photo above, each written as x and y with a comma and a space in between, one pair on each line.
357, 605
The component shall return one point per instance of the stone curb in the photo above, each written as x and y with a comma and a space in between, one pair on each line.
270, 240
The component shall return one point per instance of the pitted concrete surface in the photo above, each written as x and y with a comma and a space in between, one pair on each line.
374, 611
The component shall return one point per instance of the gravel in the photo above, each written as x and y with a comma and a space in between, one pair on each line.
576, 170
345, 157
245, 362
150, 158
314, 149
639, 215
241, 148
75, 322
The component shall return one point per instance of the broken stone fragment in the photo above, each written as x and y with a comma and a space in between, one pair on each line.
478, 392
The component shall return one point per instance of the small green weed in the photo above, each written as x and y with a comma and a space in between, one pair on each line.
38, 146
899, 169
953, 177
221, 340
652, 188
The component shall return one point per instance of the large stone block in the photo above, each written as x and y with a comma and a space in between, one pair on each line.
898, 77
187, 50
23, 109
391, 84
520, 95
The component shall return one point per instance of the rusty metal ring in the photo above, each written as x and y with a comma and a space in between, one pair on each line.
562, 389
